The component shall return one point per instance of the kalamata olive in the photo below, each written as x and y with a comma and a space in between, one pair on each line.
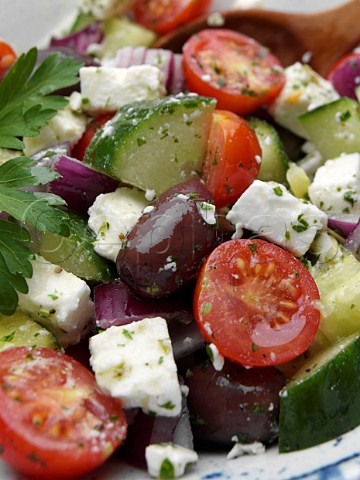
166, 247
233, 402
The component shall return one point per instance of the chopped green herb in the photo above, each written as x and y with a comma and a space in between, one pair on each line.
167, 470
8, 338
168, 405
206, 308
278, 191
253, 247
127, 333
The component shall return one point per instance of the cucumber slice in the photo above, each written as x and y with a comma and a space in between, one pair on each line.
275, 160
19, 330
76, 253
154, 144
322, 400
82, 20
334, 128
338, 283
122, 32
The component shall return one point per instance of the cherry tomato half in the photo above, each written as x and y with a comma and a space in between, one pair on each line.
7, 58
256, 303
235, 69
233, 157
345, 75
162, 16
79, 149
55, 422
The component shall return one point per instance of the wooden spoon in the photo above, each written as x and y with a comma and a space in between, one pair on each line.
325, 35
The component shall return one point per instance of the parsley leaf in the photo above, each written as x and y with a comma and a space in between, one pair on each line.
27, 207
25, 101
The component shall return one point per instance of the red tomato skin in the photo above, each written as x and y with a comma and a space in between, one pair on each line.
233, 157
78, 151
43, 457
238, 303
230, 50
7, 58
164, 16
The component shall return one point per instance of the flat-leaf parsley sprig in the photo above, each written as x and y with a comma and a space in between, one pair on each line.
25, 101
26, 207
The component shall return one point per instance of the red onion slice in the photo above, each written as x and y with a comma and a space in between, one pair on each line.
79, 184
80, 40
158, 57
177, 83
352, 243
342, 226
115, 304
164, 60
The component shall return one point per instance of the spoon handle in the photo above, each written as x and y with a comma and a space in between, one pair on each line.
329, 34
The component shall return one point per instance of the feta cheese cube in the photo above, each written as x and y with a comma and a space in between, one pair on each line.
103, 9
270, 211
59, 301
106, 89
336, 187
112, 216
65, 126
304, 90
135, 363
162, 457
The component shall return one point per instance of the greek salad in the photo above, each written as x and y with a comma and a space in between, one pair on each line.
179, 246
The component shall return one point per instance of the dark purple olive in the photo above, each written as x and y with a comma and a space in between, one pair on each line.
146, 430
233, 401
166, 247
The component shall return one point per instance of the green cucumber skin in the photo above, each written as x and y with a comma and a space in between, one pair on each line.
76, 253
139, 146
334, 128
323, 405
275, 160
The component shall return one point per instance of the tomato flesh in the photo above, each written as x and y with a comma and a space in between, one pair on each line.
235, 69
233, 157
162, 16
79, 149
54, 420
256, 303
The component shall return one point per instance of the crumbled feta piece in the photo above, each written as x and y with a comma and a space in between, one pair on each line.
150, 195
207, 211
167, 460
59, 301
65, 126
135, 363
112, 216
106, 89
304, 90
336, 187
269, 210
103, 9
255, 448
215, 356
